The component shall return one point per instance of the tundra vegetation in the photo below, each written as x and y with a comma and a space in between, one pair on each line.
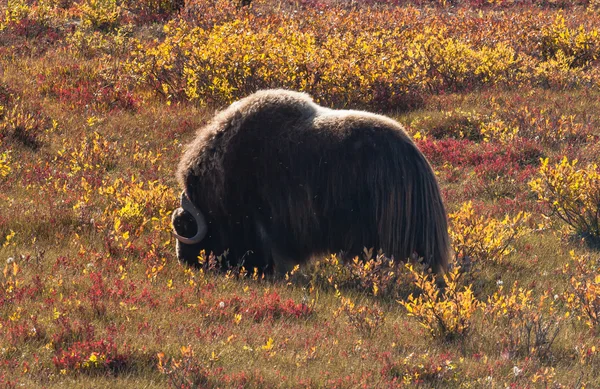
97, 98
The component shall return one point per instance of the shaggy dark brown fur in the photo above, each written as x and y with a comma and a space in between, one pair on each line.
280, 179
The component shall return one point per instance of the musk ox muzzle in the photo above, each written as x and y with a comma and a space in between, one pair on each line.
186, 219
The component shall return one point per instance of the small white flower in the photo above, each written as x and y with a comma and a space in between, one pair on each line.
10, 260
221, 305
555, 297
516, 370
89, 265
499, 282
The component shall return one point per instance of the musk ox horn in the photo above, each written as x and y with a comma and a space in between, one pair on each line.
188, 206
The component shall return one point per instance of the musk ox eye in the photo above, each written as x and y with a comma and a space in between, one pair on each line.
183, 223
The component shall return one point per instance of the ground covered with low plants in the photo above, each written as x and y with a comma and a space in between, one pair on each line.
98, 98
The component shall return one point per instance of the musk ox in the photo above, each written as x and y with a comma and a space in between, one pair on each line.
275, 179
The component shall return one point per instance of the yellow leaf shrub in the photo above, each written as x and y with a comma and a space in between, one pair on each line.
15, 11
5, 163
9, 282
89, 43
383, 68
558, 72
134, 205
499, 131
100, 14
584, 293
456, 64
546, 128
444, 313
21, 125
43, 12
578, 46
477, 239
377, 275
525, 324
92, 152
572, 194
365, 319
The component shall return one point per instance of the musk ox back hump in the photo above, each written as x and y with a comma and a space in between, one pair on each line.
281, 179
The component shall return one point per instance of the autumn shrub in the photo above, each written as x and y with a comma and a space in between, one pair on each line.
9, 280
526, 325
101, 14
572, 194
111, 96
31, 19
578, 46
547, 127
557, 72
456, 124
465, 152
446, 313
455, 64
196, 63
331, 271
5, 163
92, 152
23, 330
499, 131
90, 43
583, 295
139, 205
502, 179
204, 13
399, 66
147, 11
16, 10
270, 306
567, 54
19, 125
477, 239
88, 357
97, 86
376, 275
366, 319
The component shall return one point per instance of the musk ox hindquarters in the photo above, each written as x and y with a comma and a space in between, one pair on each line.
275, 179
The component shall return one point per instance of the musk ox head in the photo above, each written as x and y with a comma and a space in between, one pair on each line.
275, 179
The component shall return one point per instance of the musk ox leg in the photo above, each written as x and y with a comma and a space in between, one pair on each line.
282, 264
277, 262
